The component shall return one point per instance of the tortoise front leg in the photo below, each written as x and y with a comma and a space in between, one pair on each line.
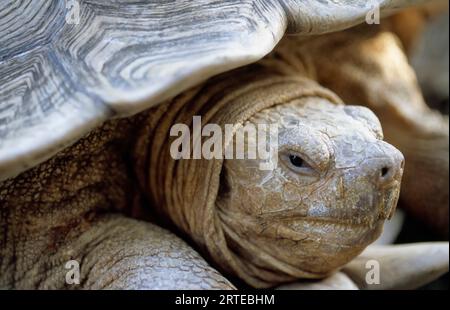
122, 253
368, 67
114, 253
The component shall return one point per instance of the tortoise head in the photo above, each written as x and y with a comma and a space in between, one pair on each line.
334, 185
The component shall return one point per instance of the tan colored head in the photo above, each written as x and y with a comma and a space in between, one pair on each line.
335, 184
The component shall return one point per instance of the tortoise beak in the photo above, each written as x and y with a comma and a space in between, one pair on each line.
389, 202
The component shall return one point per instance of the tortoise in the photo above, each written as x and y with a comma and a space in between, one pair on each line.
90, 95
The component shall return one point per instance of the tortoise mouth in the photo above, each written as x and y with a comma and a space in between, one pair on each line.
367, 212
330, 234
368, 222
388, 203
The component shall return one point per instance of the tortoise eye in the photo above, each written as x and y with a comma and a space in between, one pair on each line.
297, 161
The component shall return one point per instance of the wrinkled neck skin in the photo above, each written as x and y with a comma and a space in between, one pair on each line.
307, 222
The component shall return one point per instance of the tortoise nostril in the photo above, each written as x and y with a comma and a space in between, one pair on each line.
402, 165
387, 174
388, 166
384, 171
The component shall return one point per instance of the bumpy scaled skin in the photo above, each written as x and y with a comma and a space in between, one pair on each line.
335, 184
63, 210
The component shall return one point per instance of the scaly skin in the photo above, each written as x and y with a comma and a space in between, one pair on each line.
68, 208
